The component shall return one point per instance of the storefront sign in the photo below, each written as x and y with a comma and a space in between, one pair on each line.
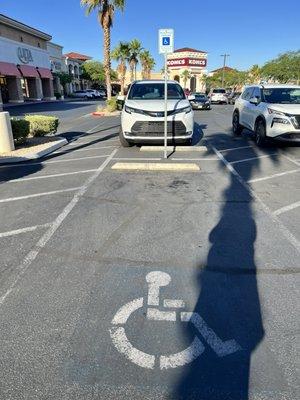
187, 62
24, 55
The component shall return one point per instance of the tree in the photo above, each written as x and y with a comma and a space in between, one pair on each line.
148, 63
105, 11
285, 68
135, 50
254, 74
185, 76
64, 79
121, 54
93, 71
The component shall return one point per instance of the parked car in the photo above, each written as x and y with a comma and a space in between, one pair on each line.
95, 93
233, 96
84, 94
142, 117
218, 96
270, 111
201, 102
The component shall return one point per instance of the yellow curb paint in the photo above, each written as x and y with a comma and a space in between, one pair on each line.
174, 148
156, 167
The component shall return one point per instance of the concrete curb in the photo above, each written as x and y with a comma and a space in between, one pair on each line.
105, 114
32, 156
156, 167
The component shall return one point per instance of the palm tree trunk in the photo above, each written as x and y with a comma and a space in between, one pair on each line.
107, 63
135, 71
123, 75
131, 73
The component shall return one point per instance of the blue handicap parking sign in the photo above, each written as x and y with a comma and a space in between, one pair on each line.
166, 40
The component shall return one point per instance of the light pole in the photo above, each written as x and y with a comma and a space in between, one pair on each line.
224, 65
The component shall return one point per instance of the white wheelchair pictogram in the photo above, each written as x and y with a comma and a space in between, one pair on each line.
156, 280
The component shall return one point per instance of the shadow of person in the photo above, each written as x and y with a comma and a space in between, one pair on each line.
228, 301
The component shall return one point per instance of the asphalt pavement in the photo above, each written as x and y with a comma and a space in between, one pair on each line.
120, 284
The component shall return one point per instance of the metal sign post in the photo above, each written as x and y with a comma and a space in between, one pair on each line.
166, 46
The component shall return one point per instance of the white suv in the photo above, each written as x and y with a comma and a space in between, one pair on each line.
142, 118
218, 96
270, 111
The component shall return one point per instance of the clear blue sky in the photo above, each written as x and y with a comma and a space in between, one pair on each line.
250, 31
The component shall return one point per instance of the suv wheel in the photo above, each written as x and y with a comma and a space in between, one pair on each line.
236, 127
260, 134
124, 142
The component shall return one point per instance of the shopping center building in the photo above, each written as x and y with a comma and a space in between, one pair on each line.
25, 70
192, 60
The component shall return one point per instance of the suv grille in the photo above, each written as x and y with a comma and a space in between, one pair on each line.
156, 128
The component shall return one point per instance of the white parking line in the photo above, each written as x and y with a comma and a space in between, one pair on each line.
251, 159
136, 159
31, 256
52, 161
23, 230
285, 231
235, 148
30, 196
195, 159
291, 160
264, 178
86, 149
86, 171
287, 208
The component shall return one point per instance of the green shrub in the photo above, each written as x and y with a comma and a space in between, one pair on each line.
57, 95
41, 125
20, 130
111, 105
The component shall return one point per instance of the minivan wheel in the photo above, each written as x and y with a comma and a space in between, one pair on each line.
236, 127
124, 142
260, 134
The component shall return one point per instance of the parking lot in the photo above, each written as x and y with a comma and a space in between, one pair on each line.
78, 239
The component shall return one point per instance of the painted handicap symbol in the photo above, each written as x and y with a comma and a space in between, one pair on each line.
156, 280
166, 41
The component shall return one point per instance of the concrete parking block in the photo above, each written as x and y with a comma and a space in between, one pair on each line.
157, 167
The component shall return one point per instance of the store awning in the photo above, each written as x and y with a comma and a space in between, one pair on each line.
9, 69
45, 73
28, 71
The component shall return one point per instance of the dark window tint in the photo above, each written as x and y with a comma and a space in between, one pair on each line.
282, 95
155, 91
247, 94
219, 91
256, 93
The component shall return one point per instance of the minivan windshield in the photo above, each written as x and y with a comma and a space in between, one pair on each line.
282, 95
155, 91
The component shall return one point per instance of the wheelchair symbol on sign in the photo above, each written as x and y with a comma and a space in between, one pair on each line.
166, 41
156, 280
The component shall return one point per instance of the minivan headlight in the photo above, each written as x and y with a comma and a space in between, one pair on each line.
131, 110
183, 110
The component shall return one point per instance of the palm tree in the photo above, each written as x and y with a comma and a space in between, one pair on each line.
135, 50
255, 74
105, 11
148, 63
121, 54
185, 76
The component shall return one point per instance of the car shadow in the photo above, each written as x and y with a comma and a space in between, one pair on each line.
228, 301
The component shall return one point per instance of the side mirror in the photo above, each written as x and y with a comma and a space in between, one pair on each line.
254, 100
120, 102
191, 98
121, 97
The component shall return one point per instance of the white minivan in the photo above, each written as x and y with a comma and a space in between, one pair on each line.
142, 118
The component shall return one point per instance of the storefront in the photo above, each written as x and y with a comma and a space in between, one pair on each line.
188, 66
24, 63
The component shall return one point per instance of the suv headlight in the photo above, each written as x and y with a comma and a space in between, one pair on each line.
186, 110
272, 111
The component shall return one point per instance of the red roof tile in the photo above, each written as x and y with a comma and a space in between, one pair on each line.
77, 56
189, 49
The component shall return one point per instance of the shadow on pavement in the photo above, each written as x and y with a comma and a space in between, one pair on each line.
8, 172
229, 299
46, 107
